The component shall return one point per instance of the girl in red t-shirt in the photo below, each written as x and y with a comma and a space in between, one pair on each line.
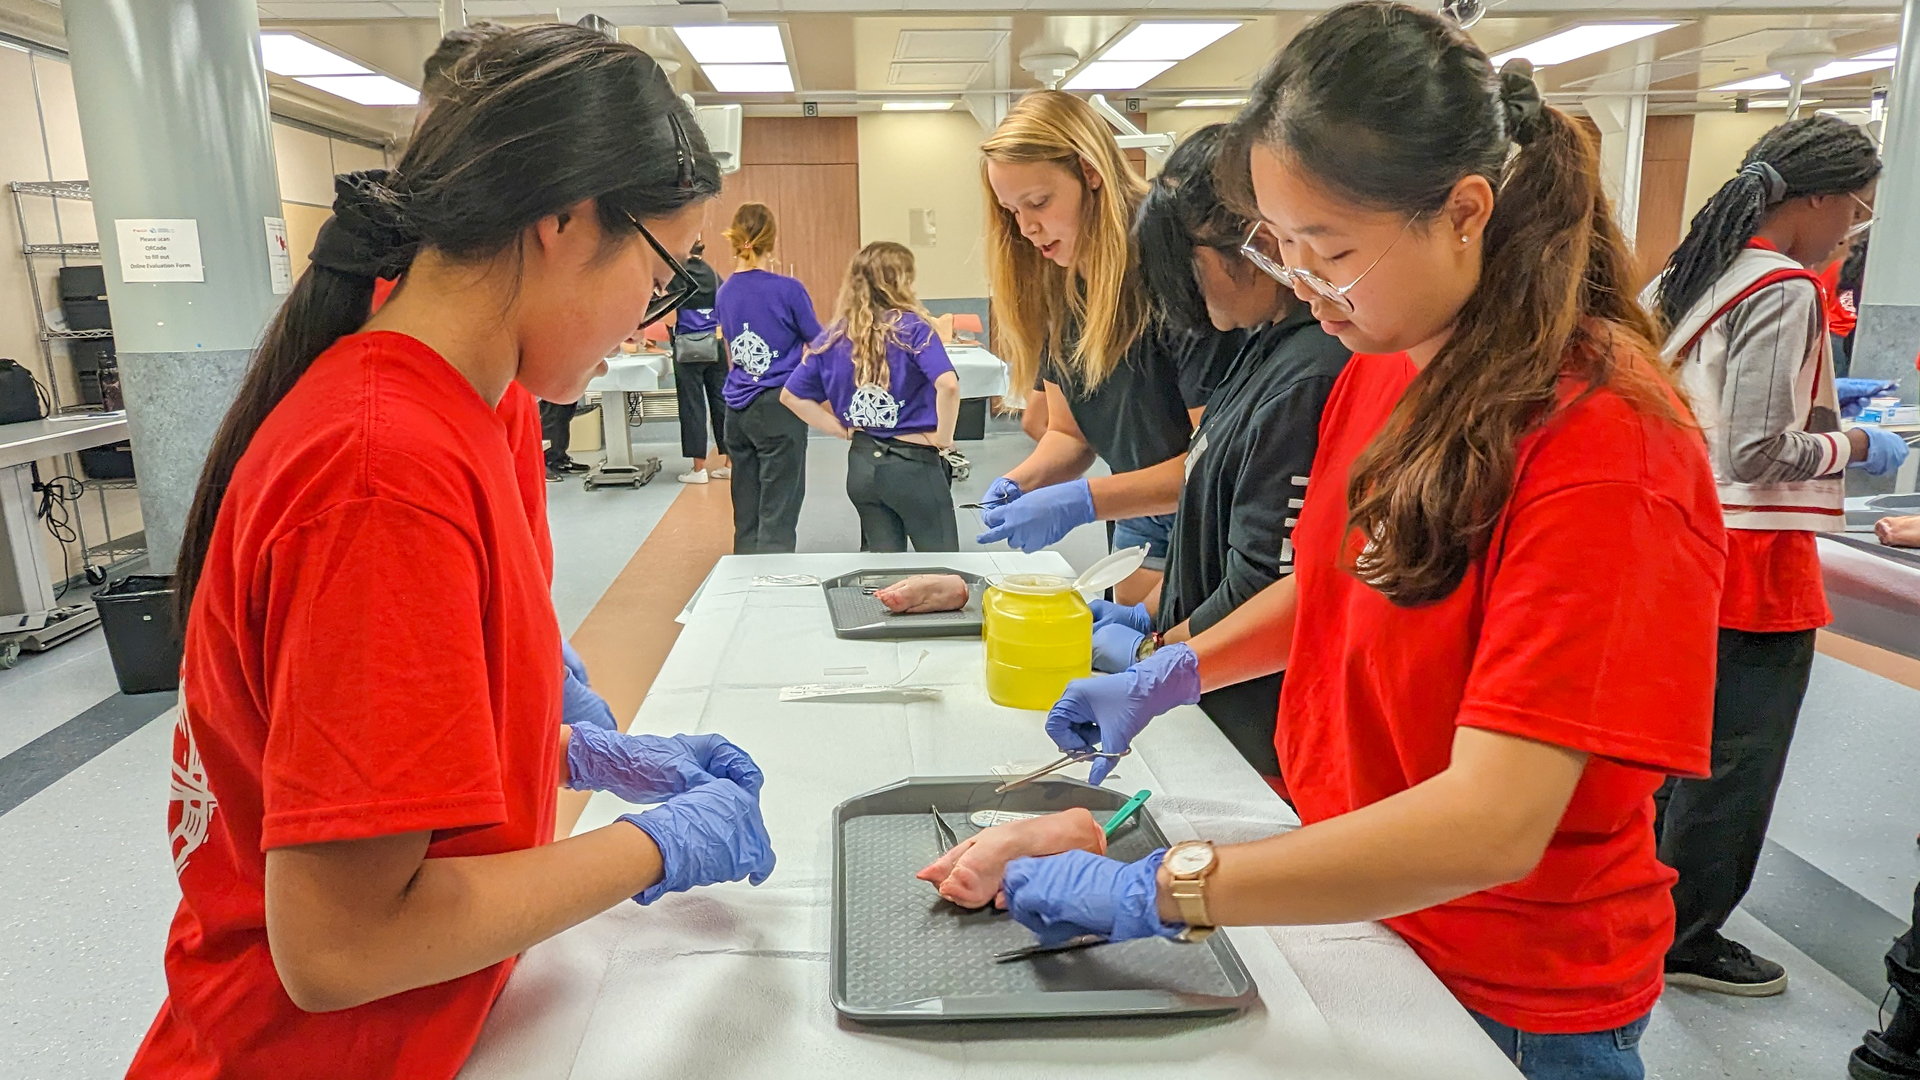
370, 739
1499, 634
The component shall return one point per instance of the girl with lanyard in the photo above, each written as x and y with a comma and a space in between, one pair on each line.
1254, 448
1069, 310
1747, 331
1499, 631
369, 743
765, 320
699, 376
880, 378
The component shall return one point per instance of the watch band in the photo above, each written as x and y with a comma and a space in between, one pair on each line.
1189, 893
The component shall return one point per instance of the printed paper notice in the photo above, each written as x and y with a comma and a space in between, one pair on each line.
159, 249
279, 260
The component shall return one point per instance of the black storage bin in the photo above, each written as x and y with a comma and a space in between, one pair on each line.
83, 282
85, 314
136, 614
113, 461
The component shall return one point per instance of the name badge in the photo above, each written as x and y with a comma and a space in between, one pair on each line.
1198, 447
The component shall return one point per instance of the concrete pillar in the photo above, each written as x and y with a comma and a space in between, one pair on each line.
1889, 335
173, 117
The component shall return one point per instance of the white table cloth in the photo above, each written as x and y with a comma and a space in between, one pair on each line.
982, 374
732, 981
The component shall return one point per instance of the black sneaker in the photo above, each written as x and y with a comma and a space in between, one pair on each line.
1875, 1060
554, 475
575, 468
1726, 967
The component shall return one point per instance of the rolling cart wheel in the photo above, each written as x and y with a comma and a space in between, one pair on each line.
590, 485
96, 575
9, 654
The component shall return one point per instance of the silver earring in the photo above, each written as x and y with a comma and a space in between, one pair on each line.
1465, 239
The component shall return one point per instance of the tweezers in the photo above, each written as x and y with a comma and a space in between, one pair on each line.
943, 832
1065, 760
1028, 952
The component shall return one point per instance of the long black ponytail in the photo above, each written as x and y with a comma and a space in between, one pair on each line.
1815, 155
540, 119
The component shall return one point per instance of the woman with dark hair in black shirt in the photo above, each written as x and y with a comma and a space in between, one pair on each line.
1248, 462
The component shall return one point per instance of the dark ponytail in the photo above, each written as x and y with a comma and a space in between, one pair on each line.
540, 119
1390, 107
1815, 155
1185, 210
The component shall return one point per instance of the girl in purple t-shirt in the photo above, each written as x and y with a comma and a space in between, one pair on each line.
880, 378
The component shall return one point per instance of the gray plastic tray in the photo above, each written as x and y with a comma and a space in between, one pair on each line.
856, 614
902, 955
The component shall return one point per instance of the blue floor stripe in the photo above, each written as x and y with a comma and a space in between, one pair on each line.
42, 763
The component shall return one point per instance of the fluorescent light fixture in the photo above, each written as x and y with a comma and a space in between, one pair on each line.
749, 78
294, 56
1839, 69
1212, 103
734, 43
1167, 40
1891, 52
1780, 103
916, 106
1117, 74
1577, 41
364, 89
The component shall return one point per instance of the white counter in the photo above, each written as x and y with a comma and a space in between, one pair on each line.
731, 981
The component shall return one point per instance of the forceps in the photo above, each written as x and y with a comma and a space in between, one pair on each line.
943, 833
1070, 758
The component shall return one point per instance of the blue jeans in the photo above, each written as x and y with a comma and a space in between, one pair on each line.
1154, 532
1596, 1055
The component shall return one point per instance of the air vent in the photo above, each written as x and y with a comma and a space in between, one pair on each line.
935, 76
977, 46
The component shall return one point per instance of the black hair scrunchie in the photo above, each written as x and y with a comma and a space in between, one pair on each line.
1520, 102
368, 236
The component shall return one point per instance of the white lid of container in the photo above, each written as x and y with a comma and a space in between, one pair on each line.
1098, 578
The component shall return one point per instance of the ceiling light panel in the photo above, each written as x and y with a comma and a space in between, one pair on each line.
1839, 69
1889, 54
364, 89
1212, 103
293, 56
916, 106
734, 43
1117, 74
1167, 40
749, 78
1577, 41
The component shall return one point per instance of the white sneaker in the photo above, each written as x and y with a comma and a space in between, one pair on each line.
723, 473
693, 476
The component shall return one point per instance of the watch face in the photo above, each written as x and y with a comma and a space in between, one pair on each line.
1189, 859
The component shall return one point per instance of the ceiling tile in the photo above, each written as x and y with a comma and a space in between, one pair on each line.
973, 46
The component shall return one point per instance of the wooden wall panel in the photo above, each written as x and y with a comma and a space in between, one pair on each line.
1663, 193
816, 209
800, 140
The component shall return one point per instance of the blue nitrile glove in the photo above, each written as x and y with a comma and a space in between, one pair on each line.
999, 493
1854, 393
1033, 521
1134, 617
1106, 712
581, 706
1885, 451
710, 834
649, 768
1062, 897
1115, 646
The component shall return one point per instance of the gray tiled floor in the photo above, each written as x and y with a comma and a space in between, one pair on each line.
88, 889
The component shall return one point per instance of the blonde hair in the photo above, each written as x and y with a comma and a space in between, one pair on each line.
1101, 294
878, 287
751, 233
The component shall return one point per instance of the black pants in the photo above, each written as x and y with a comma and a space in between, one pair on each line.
1711, 830
769, 449
698, 388
903, 491
554, 421
1246, 713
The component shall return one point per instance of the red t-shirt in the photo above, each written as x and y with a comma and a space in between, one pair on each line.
1589, 624
372, 651
1774, 582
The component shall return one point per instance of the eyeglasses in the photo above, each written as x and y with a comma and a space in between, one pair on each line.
1859, 228
1319, 286
680, 286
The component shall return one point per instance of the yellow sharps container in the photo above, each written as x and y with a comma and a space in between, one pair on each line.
1039, 630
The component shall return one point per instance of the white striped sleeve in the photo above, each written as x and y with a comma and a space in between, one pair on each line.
1838, 451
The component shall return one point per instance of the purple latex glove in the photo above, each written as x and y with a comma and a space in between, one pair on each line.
649, 768
999, 493
1040, 518
707, 835
1062, 897
1134, 617
1886, 452
1106, 712
1115, 646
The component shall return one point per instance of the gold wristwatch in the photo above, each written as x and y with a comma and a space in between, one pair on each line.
1189, 864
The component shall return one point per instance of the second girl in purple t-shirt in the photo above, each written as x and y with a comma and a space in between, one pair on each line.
880, 378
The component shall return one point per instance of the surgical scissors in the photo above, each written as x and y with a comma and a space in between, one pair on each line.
1071, 757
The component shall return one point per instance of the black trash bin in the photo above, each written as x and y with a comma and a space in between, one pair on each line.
136, 614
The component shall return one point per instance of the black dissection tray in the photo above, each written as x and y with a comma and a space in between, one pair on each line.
902, 955
856, 614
